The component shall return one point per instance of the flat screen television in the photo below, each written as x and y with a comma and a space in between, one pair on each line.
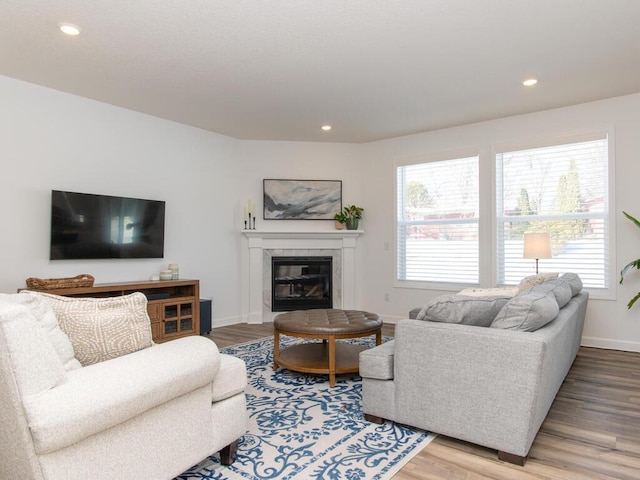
86, 226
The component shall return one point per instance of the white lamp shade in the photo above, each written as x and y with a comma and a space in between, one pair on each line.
537, 245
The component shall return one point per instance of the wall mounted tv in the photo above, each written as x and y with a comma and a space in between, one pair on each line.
86, 226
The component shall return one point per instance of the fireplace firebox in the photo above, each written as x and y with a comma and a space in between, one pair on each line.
301, 283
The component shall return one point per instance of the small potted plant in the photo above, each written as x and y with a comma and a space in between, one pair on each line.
340, 219
352, 215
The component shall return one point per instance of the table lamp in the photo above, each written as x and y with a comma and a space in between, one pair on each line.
537, 245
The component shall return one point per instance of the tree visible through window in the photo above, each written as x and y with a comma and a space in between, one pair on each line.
561, 190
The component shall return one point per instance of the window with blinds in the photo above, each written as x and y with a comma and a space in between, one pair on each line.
561, 190
437, 221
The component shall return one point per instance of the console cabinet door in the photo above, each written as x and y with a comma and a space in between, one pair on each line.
178, 318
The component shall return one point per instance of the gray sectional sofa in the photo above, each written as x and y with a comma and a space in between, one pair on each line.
489, 385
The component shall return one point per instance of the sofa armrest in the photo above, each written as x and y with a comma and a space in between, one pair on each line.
473, 383
106, 394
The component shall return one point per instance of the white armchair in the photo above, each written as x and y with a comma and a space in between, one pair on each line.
150, 413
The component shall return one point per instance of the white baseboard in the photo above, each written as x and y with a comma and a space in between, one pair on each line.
610, 344
225, 322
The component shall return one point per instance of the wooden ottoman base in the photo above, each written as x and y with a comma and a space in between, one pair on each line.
326, 357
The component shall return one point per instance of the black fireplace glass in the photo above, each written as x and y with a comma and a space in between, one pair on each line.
301, 283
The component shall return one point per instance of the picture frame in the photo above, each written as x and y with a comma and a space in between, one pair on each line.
301, 199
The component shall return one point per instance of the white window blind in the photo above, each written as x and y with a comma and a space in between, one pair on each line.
561, 190
437, 221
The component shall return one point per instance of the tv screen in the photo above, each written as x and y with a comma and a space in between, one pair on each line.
86, 226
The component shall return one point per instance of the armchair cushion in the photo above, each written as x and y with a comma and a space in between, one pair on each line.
103, 328
109, 393
231, 378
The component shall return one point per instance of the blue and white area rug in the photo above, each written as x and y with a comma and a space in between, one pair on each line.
300, 428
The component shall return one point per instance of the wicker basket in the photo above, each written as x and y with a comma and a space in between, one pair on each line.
84, 280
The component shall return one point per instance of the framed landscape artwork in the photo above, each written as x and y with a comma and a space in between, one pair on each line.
302, 199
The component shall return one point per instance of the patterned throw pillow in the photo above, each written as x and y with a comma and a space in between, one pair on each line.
103, 328
559, 287
532, 280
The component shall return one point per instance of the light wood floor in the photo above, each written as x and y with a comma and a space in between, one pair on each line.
591, 432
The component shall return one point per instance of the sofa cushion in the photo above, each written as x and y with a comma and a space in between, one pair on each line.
478, 311
43, 313
527, 282
574, 282
103, 328
34, 360
559, 287
527, 312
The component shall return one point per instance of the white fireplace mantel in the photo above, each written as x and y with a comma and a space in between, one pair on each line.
343, 240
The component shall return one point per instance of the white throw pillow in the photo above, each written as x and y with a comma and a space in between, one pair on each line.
46, 318
103, 328
34, 360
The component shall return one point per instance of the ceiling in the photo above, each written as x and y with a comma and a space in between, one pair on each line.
373, 69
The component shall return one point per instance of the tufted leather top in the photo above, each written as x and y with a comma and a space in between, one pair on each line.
328, 322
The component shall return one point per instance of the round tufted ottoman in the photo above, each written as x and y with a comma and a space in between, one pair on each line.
327, 357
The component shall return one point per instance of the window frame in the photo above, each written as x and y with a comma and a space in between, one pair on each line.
607, 293
488, 215
433, 158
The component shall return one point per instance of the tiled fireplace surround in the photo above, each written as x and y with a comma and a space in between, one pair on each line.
338, 244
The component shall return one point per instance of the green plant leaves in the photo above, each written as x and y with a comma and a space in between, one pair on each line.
633, 219
634, 264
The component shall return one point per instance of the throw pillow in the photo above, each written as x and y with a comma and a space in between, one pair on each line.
574, 282
43, 313
527, 312
103, 328
34, 360
559, 287
478, 311
527, 282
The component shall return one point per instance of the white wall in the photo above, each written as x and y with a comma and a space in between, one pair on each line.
52, 140
609, 323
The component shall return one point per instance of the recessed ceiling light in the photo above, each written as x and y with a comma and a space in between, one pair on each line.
70, 29
326, 128
529, 82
